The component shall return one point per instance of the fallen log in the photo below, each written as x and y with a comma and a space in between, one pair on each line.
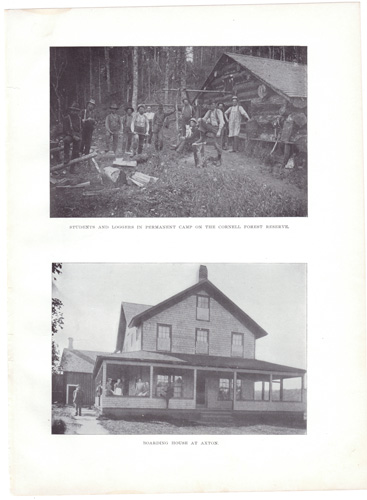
81, 185
73, 162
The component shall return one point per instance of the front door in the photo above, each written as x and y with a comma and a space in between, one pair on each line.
200, 389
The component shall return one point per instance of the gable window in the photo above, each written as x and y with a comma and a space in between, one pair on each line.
164, 336
202, 341
237, 345
203, 307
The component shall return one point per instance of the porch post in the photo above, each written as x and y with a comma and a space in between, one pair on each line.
281, 390
104, 376
234, 388
151, 382
271, 388
302, 388
262, 390
195, 377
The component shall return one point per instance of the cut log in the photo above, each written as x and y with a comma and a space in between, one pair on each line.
81, 185
73, 162
124, 163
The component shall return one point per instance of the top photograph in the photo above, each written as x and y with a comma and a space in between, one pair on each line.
178, 131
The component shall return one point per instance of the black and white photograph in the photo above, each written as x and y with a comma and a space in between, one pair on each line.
178, 349
178, 131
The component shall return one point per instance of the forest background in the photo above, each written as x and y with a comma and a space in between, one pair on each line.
130, 75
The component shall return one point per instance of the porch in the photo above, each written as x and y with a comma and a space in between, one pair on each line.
139, 387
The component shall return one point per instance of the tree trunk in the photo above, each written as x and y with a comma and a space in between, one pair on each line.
90, 73
135, 77
108, 70
166, 73
99, 81
183, 71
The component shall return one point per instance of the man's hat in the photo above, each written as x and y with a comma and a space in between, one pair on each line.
92, 101
75, 106
114, 106
235, 97
141, 106
130, 107
193, 120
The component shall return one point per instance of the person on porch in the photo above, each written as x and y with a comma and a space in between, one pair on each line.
118, 388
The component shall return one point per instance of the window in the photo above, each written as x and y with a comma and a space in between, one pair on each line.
202, 341
225, 389
237, 345
164, 333
203, 307
162, 383
137, 334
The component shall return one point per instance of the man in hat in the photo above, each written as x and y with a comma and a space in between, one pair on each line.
158, 121
72, 128
150, 115
126, 124
140, 128
213, 122
186, 114
88, 124
192, 136
113, 128
234, 115
78, 398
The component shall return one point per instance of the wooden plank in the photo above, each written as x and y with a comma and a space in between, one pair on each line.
73, 162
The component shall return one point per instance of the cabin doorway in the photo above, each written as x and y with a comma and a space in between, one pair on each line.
201, 399
70, 388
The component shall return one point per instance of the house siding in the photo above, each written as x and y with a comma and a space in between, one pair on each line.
182, 318
86, 382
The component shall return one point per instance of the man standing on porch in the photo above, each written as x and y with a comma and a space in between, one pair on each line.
78, 397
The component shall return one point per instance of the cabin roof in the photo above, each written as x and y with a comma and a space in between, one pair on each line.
200, 360
75, 360
213, 291
287, 78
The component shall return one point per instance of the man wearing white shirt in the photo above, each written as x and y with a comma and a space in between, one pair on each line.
213, 122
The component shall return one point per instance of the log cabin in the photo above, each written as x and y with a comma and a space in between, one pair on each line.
199, 344
273, 93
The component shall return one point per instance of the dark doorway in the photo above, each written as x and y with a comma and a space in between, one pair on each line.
200, 390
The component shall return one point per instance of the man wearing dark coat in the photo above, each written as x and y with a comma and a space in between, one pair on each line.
88, 124
78, 398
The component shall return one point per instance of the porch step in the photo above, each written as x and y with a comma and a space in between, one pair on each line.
209, 417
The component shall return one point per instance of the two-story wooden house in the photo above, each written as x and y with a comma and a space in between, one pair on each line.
203, 346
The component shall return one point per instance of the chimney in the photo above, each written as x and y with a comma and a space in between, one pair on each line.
203, 273
71, 340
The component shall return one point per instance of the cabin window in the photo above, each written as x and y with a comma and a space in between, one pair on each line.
237, 345
225, 389
164, 335
137, 335
203, 307
202, 341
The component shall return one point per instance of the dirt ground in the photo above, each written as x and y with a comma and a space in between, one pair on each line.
242, 187
89, 424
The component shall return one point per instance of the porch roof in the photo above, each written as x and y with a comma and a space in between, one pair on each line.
197, 360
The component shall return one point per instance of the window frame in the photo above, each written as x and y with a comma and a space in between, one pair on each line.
197, 307
242, 344
170, 337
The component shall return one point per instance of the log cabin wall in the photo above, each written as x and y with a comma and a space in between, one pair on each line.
268, 113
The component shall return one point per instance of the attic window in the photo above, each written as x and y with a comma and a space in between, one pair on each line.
203, 307
237, 345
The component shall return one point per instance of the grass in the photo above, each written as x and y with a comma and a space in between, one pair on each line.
183, 191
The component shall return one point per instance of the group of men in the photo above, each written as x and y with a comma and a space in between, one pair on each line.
146, 126
219, 123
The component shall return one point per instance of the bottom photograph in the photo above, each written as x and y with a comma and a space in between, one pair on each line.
180, 349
